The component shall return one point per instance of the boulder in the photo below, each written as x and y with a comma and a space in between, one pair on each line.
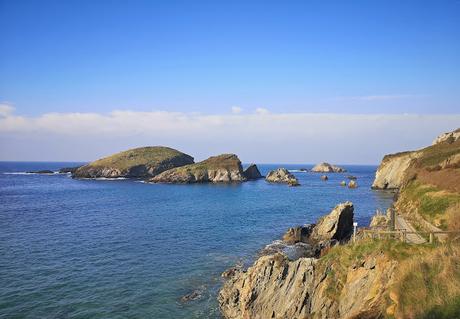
252, 172
143, 162
225, 168
282, 175
327, 168
352, 184
324, 177
343, 183
338, 224
298, 234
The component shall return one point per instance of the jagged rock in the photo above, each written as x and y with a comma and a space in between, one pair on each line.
324, 177
352, 184
338, 224
449, 137
225, 168
65, 170
44, 171
252, 172
282, 175
327, 168
140, 162
298, 234
275, 287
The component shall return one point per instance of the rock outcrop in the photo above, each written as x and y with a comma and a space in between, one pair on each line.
393, 170
327, 168
66, 170
252, 172
281, 175
279, 287
449, 137
225, 168
140, 162
352, 184
338, 224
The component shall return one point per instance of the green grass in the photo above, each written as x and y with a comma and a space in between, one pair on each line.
432, 203
434, 155
138, 156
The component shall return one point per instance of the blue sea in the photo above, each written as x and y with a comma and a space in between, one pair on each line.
125, 249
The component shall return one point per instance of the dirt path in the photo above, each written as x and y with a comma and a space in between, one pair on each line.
401, 223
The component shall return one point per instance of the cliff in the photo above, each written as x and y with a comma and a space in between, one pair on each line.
140, 162
336, 285
223, 168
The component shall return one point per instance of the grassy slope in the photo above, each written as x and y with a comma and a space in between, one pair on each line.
137, 156
427, 277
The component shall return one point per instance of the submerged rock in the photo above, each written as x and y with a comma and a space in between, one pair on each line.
327, 168
282, 175
252, 172
140, 162
225, 168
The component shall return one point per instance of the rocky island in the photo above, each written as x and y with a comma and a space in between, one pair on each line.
394, 277
282, 175
327, 168
223, 168
140, 162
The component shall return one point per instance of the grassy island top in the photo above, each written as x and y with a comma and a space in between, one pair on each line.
139, 156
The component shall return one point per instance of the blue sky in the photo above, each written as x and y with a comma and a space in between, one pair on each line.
206, 56
69, 67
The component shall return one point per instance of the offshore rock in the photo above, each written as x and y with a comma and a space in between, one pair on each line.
327, 168
282, 175
252, 172
225, 168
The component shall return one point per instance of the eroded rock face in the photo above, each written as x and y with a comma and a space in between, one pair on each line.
327, 168
393, 170
252, 172
338, 224
275, 287
140, 162
225, 168
449, 137
281, 175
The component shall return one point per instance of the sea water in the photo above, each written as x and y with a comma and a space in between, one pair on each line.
126, 249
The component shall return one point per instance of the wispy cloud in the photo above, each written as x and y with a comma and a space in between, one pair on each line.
261, 136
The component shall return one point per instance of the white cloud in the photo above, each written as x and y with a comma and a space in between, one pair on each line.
262, 111
236, 109
273, 137
6, 109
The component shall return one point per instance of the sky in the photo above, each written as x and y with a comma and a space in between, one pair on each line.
272, 81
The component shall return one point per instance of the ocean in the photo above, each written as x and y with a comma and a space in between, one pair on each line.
126, 249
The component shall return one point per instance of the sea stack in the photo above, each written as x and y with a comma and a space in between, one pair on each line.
327, 168
282, 175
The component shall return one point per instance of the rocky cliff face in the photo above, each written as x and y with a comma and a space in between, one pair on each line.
281, 175
327, 168
393, 170
224, 168
449, 137
135, 163
279, 287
